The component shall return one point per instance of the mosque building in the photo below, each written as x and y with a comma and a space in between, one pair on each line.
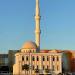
31, 60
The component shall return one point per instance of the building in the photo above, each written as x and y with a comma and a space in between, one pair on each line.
3, 59
40, 61
72, 60
11, 59
7, 61
31, 60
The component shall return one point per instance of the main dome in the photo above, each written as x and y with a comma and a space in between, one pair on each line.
29, 45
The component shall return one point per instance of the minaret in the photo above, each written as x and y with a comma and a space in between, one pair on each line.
37, 27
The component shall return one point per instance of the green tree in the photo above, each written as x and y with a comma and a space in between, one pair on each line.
25, 67
47, 70
60, 74
36, 70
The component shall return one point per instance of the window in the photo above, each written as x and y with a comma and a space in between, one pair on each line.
6, 60
47, 58
53, 67
26, 58
37, 67
33, 67
37, 58
33, 50
43, 58
30, 51
57, 67
33, 58
22, 58
57, 58
53, 58
43, 67
73, 61
47, 66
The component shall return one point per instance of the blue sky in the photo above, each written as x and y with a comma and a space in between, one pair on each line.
17, 24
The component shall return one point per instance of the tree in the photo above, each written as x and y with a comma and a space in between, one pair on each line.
25, 67
36, 70
47, 70
60, 74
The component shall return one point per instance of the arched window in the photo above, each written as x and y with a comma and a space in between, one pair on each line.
33, 58
22, 58
57, 67
26, 58
53, 67
57, 58
53, 58
43, 58
43, 67
33, 51
30, 51
37, 67
47, 58
33, 67
37, 58
47, 66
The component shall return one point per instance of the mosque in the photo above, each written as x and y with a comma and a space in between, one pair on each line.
31, 60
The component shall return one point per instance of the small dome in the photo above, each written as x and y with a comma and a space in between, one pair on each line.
29, 45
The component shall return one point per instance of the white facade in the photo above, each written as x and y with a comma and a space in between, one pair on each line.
51, 61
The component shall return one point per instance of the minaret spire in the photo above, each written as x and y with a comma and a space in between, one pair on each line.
37, 8
37, 23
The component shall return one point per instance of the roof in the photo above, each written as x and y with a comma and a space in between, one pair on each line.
29, 45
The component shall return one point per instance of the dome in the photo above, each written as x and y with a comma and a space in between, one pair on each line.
29, 45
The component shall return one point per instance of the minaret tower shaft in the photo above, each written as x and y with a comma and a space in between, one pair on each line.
37, 23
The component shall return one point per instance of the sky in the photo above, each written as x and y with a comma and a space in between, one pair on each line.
17, 24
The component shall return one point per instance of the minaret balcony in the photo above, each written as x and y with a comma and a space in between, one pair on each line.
37, 17
38, 31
